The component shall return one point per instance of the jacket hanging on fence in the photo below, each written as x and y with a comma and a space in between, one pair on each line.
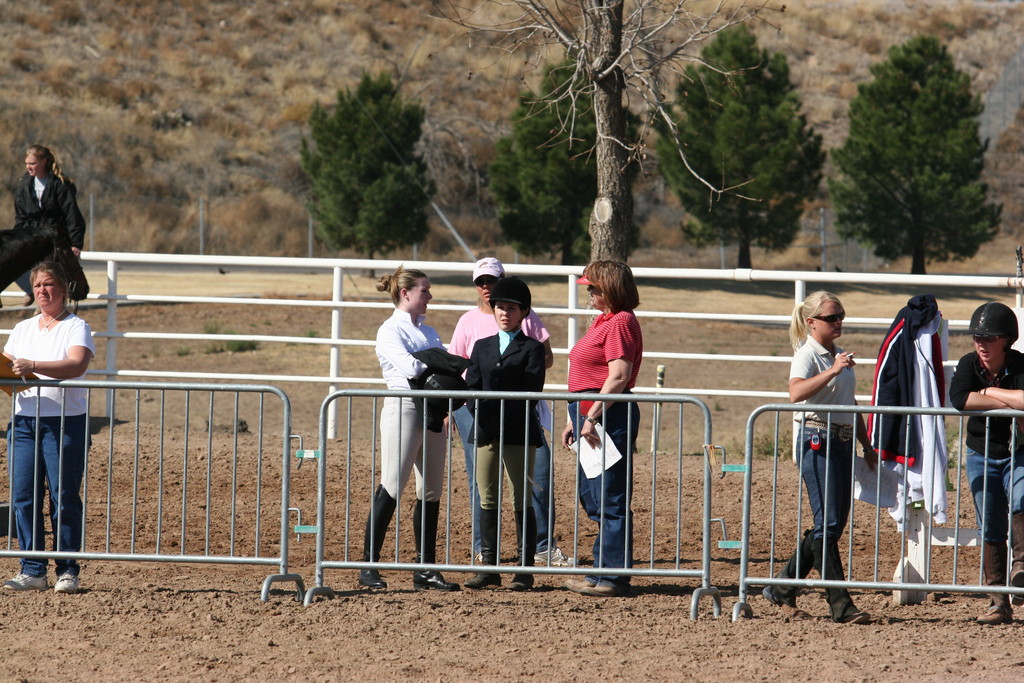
910, 373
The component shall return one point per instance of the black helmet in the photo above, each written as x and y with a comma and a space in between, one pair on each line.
513, 290
995, 319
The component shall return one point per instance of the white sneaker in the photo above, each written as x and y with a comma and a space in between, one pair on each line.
66, 583
554, 557
24, 582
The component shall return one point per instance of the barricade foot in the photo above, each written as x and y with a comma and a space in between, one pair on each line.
315, 591
300, 586
741, 609
716, 601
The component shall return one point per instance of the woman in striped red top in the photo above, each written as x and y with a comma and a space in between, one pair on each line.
607, 361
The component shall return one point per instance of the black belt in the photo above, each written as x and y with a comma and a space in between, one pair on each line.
835, 431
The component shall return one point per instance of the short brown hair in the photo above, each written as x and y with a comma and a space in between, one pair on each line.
615, 279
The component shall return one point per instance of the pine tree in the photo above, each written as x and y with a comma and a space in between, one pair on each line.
912, 162
741, 127
369, 187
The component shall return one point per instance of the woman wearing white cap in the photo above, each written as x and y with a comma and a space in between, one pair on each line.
475, 324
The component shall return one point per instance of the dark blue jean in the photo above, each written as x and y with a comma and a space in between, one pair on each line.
606, 497
29, 476
828, 479
544, 509
997, 486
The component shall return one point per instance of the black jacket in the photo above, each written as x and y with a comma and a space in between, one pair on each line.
59, 205
443, 373
520, 368
968, 377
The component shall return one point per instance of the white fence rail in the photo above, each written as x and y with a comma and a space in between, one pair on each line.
571, 307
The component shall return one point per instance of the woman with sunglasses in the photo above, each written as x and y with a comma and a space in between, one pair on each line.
990, 378
822, 374
606, 360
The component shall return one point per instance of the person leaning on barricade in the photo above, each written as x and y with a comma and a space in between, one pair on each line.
507, 361
822, 373
56, 344
990, 378
404, 447
606, 360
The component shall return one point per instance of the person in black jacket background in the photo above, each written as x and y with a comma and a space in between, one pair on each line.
506, 435
44, 195
992, 378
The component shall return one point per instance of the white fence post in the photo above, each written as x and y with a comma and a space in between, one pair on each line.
336, 296
111, 331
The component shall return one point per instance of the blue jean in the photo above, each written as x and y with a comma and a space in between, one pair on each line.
29, 476
998, 489
25, 282
828, 478
543, 503
613, 546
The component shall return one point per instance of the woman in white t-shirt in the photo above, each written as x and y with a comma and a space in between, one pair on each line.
822, 373
56, 344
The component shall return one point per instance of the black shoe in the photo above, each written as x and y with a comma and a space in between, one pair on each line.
423, 581
521, 582
370, 578
484, 580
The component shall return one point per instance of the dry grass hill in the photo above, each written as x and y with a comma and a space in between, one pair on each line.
153, 105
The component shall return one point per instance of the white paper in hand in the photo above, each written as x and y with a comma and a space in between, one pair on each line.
595, 460
866, 486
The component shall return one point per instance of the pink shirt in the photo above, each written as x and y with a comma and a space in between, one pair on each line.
475, 325
611, 336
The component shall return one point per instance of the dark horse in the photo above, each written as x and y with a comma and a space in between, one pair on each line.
21, 249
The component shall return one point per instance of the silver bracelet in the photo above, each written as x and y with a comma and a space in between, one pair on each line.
590, 420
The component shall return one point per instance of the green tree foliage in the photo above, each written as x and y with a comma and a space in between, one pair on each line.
740, 126
369, 186
912, 162
544, 176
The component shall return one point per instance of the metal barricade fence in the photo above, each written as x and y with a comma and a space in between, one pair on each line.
177, 473
909, 544
668, 544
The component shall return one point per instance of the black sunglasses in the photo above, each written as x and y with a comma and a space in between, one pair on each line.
985, 339
831, 319
593, 288
485, 281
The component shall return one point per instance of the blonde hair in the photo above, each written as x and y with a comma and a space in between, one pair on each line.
809, 308
52, 167
54, 270
402, 278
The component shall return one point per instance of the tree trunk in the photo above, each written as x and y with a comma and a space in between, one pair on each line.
917, 266
612, 217
743, 257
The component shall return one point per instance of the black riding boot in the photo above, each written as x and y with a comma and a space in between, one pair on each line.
376, 528
802, 556
524, 582
839, 600
424, 521
489, 550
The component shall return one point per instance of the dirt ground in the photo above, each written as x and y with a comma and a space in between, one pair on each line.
176, 622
